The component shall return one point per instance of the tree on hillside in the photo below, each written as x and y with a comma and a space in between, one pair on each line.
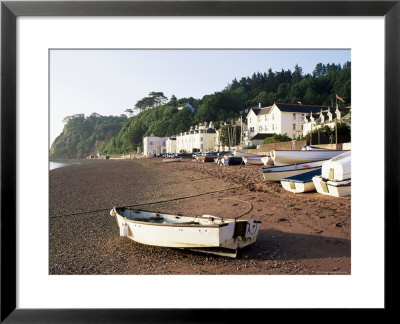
297, 74
154, 99
158, 98
173, 101
129, 111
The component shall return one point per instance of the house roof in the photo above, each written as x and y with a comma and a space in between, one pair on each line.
265, 110
261, 136
300, 108
255, 110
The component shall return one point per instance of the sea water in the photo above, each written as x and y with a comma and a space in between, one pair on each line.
55, 165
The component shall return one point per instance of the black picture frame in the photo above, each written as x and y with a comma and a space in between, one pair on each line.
10, 10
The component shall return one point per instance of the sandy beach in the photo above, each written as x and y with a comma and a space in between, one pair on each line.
300, 234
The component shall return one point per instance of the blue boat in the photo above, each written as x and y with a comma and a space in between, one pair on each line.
301, 182
232, 160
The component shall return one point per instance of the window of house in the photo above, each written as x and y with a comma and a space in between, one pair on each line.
201, 139
260, 128
273, 117
151, 143
251, 129
294, 126
250, 119
294, 116
273, 127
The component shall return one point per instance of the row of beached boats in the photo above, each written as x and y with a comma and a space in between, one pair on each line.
297, 170
332, 177
310, 169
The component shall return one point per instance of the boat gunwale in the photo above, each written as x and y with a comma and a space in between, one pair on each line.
302, 174
280, 166
227, 221
329, 150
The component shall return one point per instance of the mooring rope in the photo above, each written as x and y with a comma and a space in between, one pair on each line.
151, 203
243, 201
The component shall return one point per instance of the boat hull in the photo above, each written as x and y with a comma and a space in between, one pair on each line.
302, 156
208, 158
338, 168
253, 160
298, 187
207, 233
300, 183
168, 160
332, 188
232, 160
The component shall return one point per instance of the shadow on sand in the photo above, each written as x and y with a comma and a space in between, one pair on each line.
278, 245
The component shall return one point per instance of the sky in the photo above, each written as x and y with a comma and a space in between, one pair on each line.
110, 81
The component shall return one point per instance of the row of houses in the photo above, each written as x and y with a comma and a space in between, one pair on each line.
296, 120
201, 137
257, 123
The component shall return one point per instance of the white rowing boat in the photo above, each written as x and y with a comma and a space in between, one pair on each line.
253, 160
338, 168
301, 182
175, 159
276, 173
237, 153
332, 188
210, 234
287, 157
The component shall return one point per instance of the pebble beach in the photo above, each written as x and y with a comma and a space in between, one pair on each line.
300, 233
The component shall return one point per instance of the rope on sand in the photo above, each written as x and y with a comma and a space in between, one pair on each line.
153, 202
243, 201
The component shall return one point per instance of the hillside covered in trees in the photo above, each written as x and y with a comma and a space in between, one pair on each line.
160, 116
82, 136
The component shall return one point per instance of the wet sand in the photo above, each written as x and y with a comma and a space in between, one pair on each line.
300, 234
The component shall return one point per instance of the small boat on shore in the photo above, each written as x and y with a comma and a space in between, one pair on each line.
209, 234
301, 182
253, 160
173, 159
241, 154
232, 160
276, 173
287, 157
338, 168
209, 158
332, 188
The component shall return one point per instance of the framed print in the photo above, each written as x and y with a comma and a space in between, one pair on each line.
50, 47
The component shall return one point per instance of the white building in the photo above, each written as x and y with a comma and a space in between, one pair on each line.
154, 145
280, 118
180, 107
202, 137
170, 145
326, 117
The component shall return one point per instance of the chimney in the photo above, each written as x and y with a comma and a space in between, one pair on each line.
259, 105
